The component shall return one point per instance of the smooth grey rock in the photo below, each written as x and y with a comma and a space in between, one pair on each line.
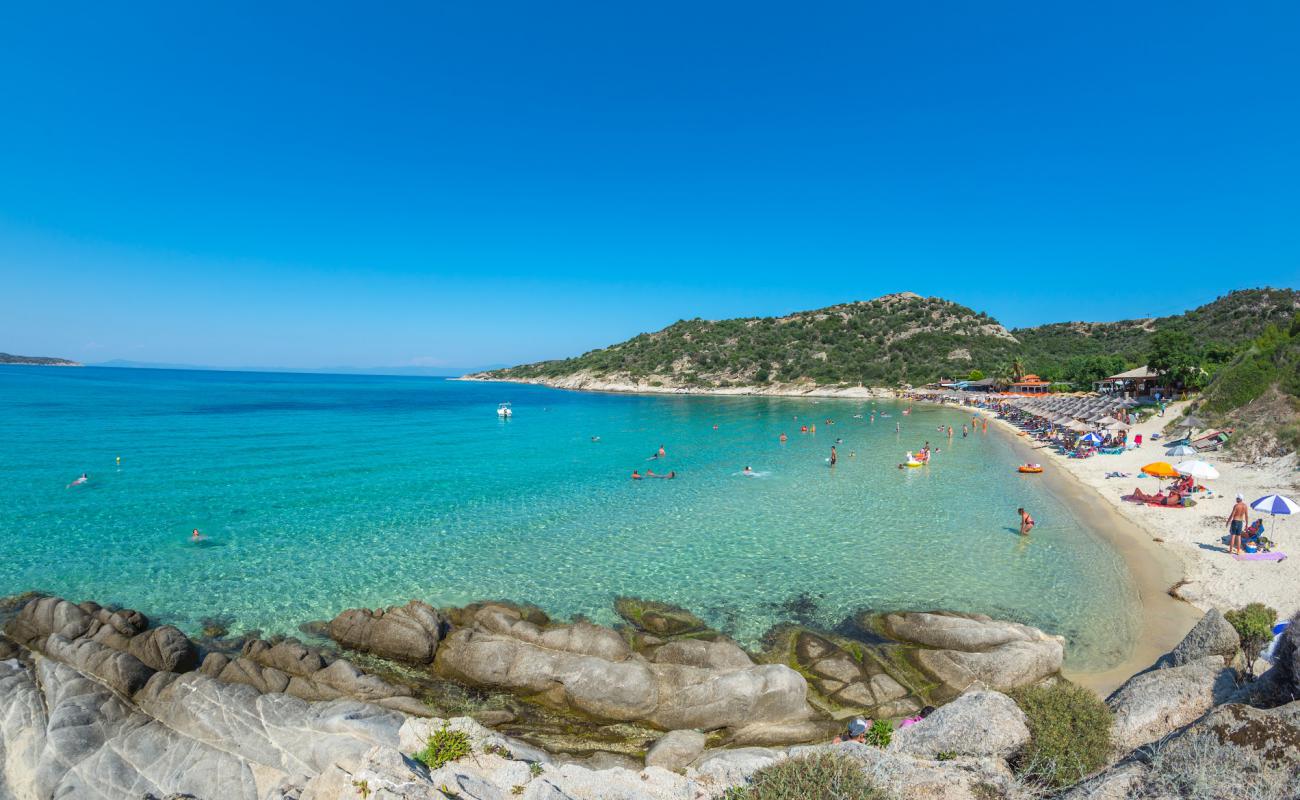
978, 724
734, 766
1212, 636
46, 615
164, 649
592, 670
1121, 782
1286, 660
905, 776
1272, 735
385, 773
1154, 704
404, 633
969, 649
720, 654
675, 750
121, 671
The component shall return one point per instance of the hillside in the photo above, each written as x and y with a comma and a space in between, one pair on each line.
900, 338
36, 361
1224, 325
1258, 393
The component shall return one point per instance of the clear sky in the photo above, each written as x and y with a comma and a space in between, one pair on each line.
476, 183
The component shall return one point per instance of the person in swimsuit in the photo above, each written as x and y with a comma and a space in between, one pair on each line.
783, 437
636, 476
834, 456
747, 471
1237, 520
1026, 522
84, 477
196, 536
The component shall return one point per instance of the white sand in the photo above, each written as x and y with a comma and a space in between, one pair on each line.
1212, 578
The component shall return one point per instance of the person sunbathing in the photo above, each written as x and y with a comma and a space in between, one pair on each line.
1173, 498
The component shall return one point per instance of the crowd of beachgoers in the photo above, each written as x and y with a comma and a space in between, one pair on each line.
1171, 476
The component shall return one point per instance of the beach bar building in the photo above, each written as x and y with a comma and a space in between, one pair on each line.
1030, 384
1138, 382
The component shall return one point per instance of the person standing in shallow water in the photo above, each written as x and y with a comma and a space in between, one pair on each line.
834, 456
1026, 522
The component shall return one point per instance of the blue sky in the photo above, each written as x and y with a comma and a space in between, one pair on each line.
470, 183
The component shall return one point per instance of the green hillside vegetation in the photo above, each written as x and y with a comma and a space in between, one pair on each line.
905, 338
1259, 392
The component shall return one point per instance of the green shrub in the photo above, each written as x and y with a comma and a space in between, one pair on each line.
444, 746
818, 776
1254, 625
1069, 730
880, 733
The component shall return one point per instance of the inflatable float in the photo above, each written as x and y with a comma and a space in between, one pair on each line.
1029, 469
914, 464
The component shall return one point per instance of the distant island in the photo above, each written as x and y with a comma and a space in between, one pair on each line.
36, 361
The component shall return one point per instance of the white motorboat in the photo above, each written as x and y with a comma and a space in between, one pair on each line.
503, 410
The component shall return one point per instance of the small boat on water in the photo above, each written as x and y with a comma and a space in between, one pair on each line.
503, 411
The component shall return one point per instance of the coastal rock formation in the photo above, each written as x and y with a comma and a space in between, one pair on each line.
403, 633
1287, 660
675, 749
1271, 736
959, 650
852, 676
905, 776
1154, 704
658, 619
1212, 636
979, 724
593, 670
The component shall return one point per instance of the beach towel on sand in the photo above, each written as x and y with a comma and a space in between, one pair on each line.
1270, 556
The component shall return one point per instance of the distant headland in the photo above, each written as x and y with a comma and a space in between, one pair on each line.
37, 361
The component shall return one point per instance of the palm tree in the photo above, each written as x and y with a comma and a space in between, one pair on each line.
1017, 368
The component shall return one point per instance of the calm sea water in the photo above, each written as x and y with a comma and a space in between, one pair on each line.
322, 492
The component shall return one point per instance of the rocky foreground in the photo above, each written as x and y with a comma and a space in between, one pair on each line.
98, 703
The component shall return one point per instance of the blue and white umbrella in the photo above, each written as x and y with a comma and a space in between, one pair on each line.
1276, 504
1092, 438
1181, 450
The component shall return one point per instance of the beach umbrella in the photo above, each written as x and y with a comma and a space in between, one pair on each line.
1092, 438
1181, 450
1160, 469
1190, 423
1276, 504
1197, 469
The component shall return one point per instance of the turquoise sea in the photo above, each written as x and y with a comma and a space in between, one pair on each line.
323, 492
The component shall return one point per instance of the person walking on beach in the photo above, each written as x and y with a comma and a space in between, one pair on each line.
1026, 522
834, 456
1237, 521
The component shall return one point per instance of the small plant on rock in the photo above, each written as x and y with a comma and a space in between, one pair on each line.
880, 733
1069, 729
1254, 624
534, 768
363, 788
817, 776
444, 746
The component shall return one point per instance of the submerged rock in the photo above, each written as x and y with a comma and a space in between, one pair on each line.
658, 619
403, 633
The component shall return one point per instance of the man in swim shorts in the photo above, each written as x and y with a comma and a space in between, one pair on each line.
1237, 520
834, 456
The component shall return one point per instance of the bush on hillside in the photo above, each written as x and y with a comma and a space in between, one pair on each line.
818, 776
1069, 730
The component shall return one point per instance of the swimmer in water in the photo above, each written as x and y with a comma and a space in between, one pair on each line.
119, 461
636, 476
661, 452
783, 437
1026, 522
84, 477
747, 471
834, 456
196, 536
595, 438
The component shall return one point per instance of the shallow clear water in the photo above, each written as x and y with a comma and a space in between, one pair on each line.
322, 492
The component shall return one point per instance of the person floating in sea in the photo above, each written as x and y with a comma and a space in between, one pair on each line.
1026, 522
196, 536
84, 477
636, 476
812, 428
747, 471
783, 437
595, 438
1238, 518
834, 456
119, 461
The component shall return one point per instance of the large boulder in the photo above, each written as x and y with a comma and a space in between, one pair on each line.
1212, 636
850, 677
1154, 704
1270, 736
43, 616
675, 749
906, 776
403, 633
960, 650
1287, 659
658, 619
592, 670
978, 724
165, 649
116, 669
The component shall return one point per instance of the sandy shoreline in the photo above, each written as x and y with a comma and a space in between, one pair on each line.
586, 383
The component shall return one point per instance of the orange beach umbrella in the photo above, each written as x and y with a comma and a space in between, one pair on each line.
1160, 469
